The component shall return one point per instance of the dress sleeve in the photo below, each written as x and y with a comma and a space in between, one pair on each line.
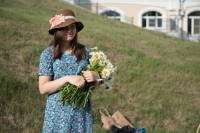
46, 62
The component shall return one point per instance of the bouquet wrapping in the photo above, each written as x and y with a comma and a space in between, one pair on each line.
98, 63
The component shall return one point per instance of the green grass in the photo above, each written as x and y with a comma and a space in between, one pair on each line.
157, 82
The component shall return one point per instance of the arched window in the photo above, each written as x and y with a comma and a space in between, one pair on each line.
152, 20
194, 23
111, 14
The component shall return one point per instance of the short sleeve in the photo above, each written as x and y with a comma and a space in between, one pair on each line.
46, 62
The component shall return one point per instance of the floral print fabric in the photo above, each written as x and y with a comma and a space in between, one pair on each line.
61, 118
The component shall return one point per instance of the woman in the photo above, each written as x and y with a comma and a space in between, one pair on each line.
61, 62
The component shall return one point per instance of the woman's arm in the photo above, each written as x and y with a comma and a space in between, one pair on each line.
47, 86
96, 84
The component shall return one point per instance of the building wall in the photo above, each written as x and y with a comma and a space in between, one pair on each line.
132, 10
174, 12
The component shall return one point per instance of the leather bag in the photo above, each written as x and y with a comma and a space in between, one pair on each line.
116, 119
106, 119
198, 129
121, 120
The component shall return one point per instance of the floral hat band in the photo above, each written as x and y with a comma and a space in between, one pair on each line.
64, 18
58, 19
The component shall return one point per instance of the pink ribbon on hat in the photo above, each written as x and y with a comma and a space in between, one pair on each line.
58, 19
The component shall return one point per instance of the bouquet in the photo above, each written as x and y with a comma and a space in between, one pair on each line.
98, 63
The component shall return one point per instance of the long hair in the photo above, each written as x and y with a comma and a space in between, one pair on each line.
77, 48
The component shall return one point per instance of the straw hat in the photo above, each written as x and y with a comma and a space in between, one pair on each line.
62, 19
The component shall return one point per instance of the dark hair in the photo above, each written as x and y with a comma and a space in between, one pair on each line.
77, 48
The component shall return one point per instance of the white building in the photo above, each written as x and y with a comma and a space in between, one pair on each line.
176, 17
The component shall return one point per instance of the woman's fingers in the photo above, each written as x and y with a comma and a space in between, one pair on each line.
78, 81
90, 76
87, 75
81, 82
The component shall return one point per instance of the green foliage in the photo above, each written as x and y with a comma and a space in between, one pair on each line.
19, 105
157, 82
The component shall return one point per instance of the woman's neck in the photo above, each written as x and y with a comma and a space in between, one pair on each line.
66, 47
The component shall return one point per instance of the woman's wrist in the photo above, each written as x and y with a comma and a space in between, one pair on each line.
97, 77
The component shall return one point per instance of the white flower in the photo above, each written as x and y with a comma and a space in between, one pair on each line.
111, 79
99, 80
114, 69
106, 86
109, 65
92, 61
94, 48
105, 73
102, 63
96, 56
99, 60
102, 55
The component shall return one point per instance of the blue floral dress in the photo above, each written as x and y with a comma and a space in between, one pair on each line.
61, 118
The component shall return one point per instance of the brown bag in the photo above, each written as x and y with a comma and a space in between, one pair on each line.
121, 120
198, 129
107, 120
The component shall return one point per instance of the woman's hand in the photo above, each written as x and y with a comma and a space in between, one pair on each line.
78, 81
90, 76
47, 86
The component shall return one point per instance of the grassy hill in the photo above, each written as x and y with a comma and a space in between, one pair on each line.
157, 84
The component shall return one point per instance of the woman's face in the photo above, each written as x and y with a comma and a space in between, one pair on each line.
69, 32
